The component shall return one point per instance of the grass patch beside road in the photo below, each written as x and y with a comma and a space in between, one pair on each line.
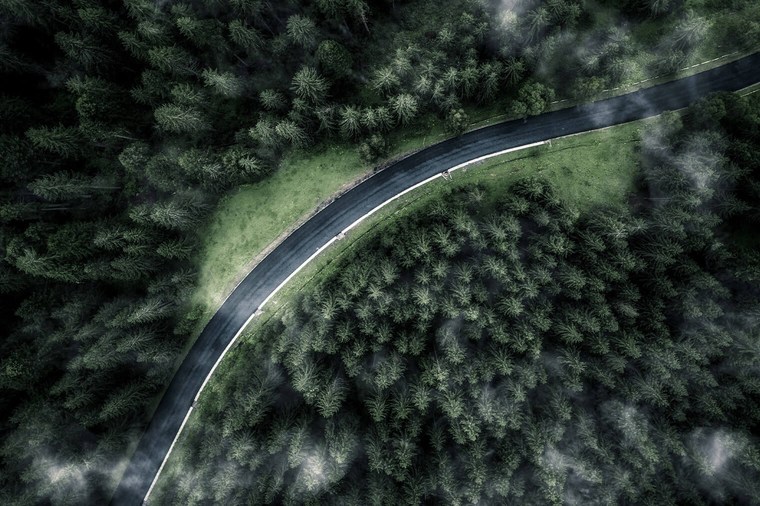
587, 169
254, 216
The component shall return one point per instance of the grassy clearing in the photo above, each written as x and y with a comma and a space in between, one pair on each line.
587, 169
254, 216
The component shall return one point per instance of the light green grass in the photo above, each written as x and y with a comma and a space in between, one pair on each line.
251, 218
587, 170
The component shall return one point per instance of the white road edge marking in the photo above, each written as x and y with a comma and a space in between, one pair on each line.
298, 269
153, 483
258, 311
431, 178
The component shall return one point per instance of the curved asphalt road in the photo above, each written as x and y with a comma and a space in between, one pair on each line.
331, 220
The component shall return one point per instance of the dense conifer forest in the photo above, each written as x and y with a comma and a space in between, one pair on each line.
520, 353
123, 122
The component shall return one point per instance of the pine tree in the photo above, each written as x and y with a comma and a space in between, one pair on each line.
331, 397
272, 100
309, 85
385, 81
177, 118
123, 402
265, 133
405, 106
302, 31
241, 164
537, 21
22, 11
83, 49
334, 59
60, 186
178, 213
350, 125
203, 33
225, 84
244, 36
60, 140
172, 60
291, 133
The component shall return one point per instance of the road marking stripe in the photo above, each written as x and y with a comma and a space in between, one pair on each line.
498, 153
256, 313
431, 178
163, 463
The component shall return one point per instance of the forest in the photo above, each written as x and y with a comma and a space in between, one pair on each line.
521, 353
122, 124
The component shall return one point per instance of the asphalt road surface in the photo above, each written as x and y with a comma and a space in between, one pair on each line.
337, 216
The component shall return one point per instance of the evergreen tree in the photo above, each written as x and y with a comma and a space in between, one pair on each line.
59, 140
178, 118
405, 106
309, 85
223, 83
302, 30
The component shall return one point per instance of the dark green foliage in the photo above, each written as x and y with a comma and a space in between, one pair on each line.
373, 149
457, 121
171, 59
532, 99
334, 58
309, 85
245, 37
89, 295
405, 106
59, 140
301, 30
177, 118
121, 124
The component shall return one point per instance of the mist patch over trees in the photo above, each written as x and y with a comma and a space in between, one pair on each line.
516, 352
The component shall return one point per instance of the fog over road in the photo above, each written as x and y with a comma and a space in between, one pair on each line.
349, 207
